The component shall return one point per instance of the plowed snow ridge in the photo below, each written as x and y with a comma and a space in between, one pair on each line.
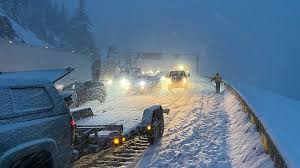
203, 129
208, 130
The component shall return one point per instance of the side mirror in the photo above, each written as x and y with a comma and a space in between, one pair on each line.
189, 75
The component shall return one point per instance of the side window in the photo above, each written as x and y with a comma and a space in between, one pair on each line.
5, 102
30, 99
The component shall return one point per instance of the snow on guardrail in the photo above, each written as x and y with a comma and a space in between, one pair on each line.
278, 120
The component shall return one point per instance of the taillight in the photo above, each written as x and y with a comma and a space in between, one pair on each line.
73, 127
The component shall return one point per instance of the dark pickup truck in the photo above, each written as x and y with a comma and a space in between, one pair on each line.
36, 127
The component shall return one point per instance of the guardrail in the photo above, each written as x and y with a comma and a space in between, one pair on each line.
266, 140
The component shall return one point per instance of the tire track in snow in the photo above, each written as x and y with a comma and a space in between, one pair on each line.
195, 136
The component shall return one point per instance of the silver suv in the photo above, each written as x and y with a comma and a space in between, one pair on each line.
36, 127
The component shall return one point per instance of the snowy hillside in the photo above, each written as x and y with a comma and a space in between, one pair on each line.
22, 35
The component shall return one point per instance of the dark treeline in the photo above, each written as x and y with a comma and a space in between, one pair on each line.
51, 23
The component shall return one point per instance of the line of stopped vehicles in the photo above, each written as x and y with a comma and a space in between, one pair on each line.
39, 116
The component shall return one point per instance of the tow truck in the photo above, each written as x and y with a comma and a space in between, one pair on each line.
95, 138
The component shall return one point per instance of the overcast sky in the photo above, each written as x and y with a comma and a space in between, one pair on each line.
231, 37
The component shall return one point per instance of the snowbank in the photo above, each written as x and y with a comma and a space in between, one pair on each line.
24, 35
210, 131
246, 148
280, 117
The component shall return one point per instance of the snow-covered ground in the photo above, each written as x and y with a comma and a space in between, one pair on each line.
126, 109
280, 117
210, 131
203, 129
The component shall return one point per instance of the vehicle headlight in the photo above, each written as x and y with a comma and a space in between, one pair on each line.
163, 78
148, 128
125, 83
184, 80
169, 81
110, 81
116, 141
142, 83
181, 67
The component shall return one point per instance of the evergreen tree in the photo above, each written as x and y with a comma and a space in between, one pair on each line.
6, 30
49, 21
79, 34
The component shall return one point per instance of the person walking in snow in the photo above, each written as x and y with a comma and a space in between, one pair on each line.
218, 79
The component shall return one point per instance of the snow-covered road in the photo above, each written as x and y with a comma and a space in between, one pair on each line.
203, 129
196, 137
121, 108
207, 130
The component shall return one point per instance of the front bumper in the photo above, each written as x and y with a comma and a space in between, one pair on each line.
177, 85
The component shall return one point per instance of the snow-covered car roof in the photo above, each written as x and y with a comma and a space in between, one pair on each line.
35, 77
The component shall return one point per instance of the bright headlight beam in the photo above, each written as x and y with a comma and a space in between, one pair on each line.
116, 141
142, 83
125, 83
149, 128
109, 81
181, 67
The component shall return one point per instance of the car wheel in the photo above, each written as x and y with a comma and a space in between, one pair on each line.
158, 128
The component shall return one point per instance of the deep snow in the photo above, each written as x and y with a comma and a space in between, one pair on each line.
203, 129
280, 117
126, 109
211, 132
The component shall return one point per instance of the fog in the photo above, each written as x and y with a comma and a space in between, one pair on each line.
253, 42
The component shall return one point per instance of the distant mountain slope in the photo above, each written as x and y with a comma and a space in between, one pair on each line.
11, 30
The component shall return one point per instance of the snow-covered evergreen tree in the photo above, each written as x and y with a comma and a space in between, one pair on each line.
50, 22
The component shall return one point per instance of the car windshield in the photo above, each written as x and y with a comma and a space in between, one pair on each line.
177, 73
149, 83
